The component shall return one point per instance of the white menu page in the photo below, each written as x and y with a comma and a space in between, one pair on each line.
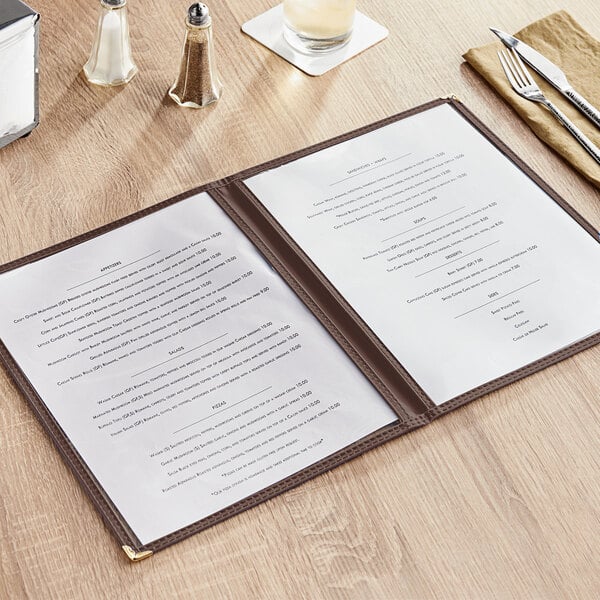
180, 365
460, 264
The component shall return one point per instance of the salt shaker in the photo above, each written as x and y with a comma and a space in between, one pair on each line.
198, 83
110, 61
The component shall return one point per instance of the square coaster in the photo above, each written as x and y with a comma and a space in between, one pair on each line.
267, 28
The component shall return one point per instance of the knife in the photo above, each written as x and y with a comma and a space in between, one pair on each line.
551, 73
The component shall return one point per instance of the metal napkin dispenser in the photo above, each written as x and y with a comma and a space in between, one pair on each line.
18, 70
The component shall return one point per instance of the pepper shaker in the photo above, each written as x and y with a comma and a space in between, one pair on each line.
198, 83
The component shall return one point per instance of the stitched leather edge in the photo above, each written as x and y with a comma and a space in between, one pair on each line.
108, 511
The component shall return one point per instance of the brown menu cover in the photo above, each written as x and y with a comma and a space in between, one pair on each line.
387, 375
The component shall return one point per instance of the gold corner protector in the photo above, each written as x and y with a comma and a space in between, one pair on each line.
452, 97
134, 556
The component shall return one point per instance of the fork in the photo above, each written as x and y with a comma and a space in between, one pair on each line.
522, 82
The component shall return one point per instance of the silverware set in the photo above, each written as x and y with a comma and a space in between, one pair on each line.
523, 84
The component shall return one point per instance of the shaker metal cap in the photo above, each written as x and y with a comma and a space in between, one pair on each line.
114, 3
198, 14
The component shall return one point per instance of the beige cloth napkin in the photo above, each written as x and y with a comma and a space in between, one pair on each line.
563, 41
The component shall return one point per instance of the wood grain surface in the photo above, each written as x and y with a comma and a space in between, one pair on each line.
500, 499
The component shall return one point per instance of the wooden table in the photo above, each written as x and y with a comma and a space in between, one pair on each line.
498, 499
